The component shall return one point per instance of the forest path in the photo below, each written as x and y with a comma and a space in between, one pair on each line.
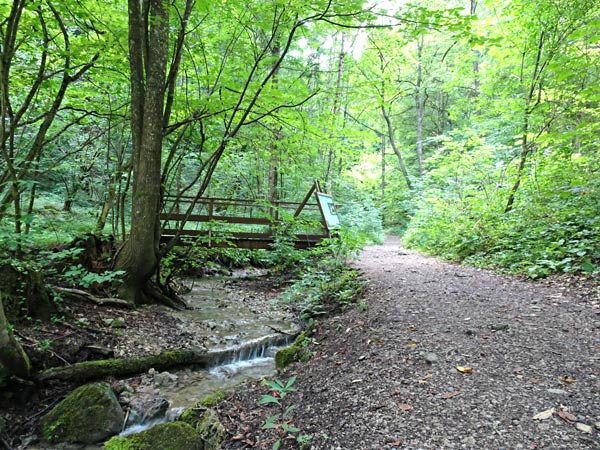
390, 376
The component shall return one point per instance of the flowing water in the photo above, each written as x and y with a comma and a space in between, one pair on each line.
229, 318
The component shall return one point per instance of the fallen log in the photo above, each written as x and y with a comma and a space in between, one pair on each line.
120, 367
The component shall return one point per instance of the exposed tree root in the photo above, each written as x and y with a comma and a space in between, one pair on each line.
78, 294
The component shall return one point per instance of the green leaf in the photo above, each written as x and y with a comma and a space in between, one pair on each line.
270, 422
290, 428
265, 399
588, 267
290, 383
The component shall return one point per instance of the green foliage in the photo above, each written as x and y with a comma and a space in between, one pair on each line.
279, 421
553, 228
297, 352
325, 286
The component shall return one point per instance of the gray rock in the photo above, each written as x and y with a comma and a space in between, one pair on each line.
583, 427
165, 379
431, 358
557, 391
143, 411
89, 414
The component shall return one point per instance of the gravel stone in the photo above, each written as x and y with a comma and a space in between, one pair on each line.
419, 305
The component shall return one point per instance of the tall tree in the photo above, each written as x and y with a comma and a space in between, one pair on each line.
151, 101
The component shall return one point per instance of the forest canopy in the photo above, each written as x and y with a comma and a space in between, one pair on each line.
469, 127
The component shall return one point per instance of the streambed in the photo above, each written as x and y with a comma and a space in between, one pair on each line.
225, 313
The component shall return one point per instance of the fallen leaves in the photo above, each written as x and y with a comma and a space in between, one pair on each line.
567, 416
424, 379
463, 369
544, 414
567, 379
449, 395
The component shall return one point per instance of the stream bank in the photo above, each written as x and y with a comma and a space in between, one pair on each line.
240, 311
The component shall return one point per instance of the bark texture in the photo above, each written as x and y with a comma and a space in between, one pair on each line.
148, 52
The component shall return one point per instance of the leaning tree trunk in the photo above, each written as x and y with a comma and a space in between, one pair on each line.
12, 356
148, 64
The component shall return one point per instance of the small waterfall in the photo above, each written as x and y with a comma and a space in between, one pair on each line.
259, 351
251, 359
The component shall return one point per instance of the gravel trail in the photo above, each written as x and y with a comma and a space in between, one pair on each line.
443, 357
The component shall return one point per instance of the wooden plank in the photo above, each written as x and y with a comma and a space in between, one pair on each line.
240, 235
208, 218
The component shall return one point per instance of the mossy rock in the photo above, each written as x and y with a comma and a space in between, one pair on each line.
194, 414
212, 400
206, 422
164, 436
297, 352
88, 415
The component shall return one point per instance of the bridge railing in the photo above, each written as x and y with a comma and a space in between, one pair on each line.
245, 223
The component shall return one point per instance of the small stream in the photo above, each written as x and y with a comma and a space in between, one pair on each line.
228, 318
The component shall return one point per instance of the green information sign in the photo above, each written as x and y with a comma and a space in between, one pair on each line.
327, 206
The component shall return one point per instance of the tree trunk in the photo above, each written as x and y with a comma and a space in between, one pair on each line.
148, 65
395, 148
476, 80
419, 104
12, 356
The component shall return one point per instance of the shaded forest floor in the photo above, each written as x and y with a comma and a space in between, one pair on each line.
443, 357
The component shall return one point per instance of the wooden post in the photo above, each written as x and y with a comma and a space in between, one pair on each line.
314, 187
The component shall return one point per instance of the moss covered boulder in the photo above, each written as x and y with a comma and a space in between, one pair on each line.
88, 415
165, 436
206, 423
297, 352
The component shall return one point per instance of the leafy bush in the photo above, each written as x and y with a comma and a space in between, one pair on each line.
553, 227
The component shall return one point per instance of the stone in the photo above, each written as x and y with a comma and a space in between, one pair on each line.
89, 414
557, 391
165, 379
297, 352
207, 424
431, 358
143, 411
164, 436
583, 427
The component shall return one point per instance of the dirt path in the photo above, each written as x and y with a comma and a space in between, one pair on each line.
387, 377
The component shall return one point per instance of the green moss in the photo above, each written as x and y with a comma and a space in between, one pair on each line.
165, 436
213, 399
297, 352
90, 414
206, 421
192, 416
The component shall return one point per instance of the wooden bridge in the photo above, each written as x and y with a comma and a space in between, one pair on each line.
244, 223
